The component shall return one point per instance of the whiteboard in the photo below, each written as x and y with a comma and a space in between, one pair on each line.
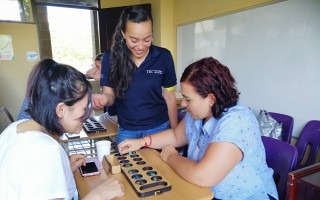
272, 51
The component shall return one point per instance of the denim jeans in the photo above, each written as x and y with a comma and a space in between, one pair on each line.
127, 134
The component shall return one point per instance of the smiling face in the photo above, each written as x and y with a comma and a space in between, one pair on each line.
197, 106
71, 116
138, 38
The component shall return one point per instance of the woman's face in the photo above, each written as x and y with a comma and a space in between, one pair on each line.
196, 105
97, 63
71, 120
138, 38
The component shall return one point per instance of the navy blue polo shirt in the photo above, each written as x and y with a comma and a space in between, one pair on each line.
143, 106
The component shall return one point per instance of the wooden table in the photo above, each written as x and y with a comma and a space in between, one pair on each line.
110, 124
181, 189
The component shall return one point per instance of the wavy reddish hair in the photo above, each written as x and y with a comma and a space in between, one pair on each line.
208, 75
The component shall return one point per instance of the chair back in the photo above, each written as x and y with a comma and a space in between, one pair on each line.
184, 149
6, 118
308, 144
282, 158
287, 125
181, 113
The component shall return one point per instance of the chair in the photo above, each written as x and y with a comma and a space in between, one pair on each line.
282, 158
6, 118
287, 125
181, 113
308, 144
184, 149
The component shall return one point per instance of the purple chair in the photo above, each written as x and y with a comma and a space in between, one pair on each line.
308, 144
181, 113
282, 158
184, 149
287, 125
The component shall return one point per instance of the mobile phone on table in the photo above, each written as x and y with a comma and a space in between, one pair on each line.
90, 169
72, 136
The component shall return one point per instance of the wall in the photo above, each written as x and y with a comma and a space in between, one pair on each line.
117, 3
273, 52
14, 73
189, 11
167, 15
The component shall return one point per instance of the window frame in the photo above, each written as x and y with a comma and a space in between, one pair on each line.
44, 32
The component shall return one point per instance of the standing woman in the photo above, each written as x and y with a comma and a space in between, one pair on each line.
138, 78
225, 150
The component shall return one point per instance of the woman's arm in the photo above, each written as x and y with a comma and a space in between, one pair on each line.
224, 156
91, 72
175, 137
105, 99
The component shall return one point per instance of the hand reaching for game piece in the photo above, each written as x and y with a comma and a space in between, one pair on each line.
130, 145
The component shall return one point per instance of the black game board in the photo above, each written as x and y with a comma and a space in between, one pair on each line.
91, 125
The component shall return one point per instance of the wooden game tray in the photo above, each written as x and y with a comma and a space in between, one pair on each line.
91, 125
143, 177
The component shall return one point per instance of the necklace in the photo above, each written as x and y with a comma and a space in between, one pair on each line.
201, 134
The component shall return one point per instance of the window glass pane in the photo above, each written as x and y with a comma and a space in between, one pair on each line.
71, 35
15, 10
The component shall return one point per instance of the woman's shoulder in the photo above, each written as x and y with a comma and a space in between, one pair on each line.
238, 109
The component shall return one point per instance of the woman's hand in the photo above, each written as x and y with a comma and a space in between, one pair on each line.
109, 189
167, 151
99, 101
129, 145
76, 160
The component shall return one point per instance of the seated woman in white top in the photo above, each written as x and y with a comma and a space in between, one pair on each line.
33, 165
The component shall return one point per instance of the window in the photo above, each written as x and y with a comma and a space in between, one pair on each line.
72, 41
16, 10
69, 35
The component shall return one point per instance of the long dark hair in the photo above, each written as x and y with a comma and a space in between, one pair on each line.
122, 66
51, 83
208, 75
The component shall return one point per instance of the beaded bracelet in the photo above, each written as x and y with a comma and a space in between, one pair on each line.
150, 139
145, 142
